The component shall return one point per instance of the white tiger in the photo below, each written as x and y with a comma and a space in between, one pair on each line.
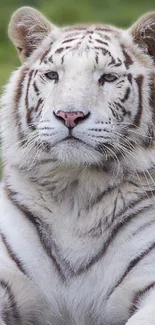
77, 211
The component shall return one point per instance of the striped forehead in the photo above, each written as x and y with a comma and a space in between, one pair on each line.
82, 41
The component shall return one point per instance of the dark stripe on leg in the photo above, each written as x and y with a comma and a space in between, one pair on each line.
12, 255
10, 314
138, 296
130, 267
143, 226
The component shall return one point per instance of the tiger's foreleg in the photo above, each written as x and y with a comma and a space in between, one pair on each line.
21, 302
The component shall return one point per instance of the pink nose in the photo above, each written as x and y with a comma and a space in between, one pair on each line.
71, 119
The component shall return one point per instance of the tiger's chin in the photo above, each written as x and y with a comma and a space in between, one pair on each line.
77, 153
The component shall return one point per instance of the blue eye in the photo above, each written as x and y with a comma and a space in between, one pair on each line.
53, 75
107, 77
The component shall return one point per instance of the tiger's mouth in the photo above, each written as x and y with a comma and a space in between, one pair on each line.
104, 149
72, 138
75, 142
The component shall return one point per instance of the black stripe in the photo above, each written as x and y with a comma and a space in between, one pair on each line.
126, 96
138, 296
104, 51
89, 32
113, 62
101, 42
29, 118
10, 313
137, 118
36, 89
29, 114
129, 76
46, 52
68, 40
102, 35
130, 266
113, 112
51, 59
19, 87
143, 226
96, 58
62, 59
12, 254
119, 63
27, 88
40, 101
61, 49
18, 94
35, 72
119, 106
128, 60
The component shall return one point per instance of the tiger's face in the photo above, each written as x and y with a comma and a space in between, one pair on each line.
84, 94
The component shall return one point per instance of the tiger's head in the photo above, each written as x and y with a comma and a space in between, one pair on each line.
84, 95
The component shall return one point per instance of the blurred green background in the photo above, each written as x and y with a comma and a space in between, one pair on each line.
118, 12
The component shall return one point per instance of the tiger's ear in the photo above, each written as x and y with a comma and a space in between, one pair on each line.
27, 28
143, 33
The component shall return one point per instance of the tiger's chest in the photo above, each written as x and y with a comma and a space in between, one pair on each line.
98, 271
83, 279
88, 274
81, 276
